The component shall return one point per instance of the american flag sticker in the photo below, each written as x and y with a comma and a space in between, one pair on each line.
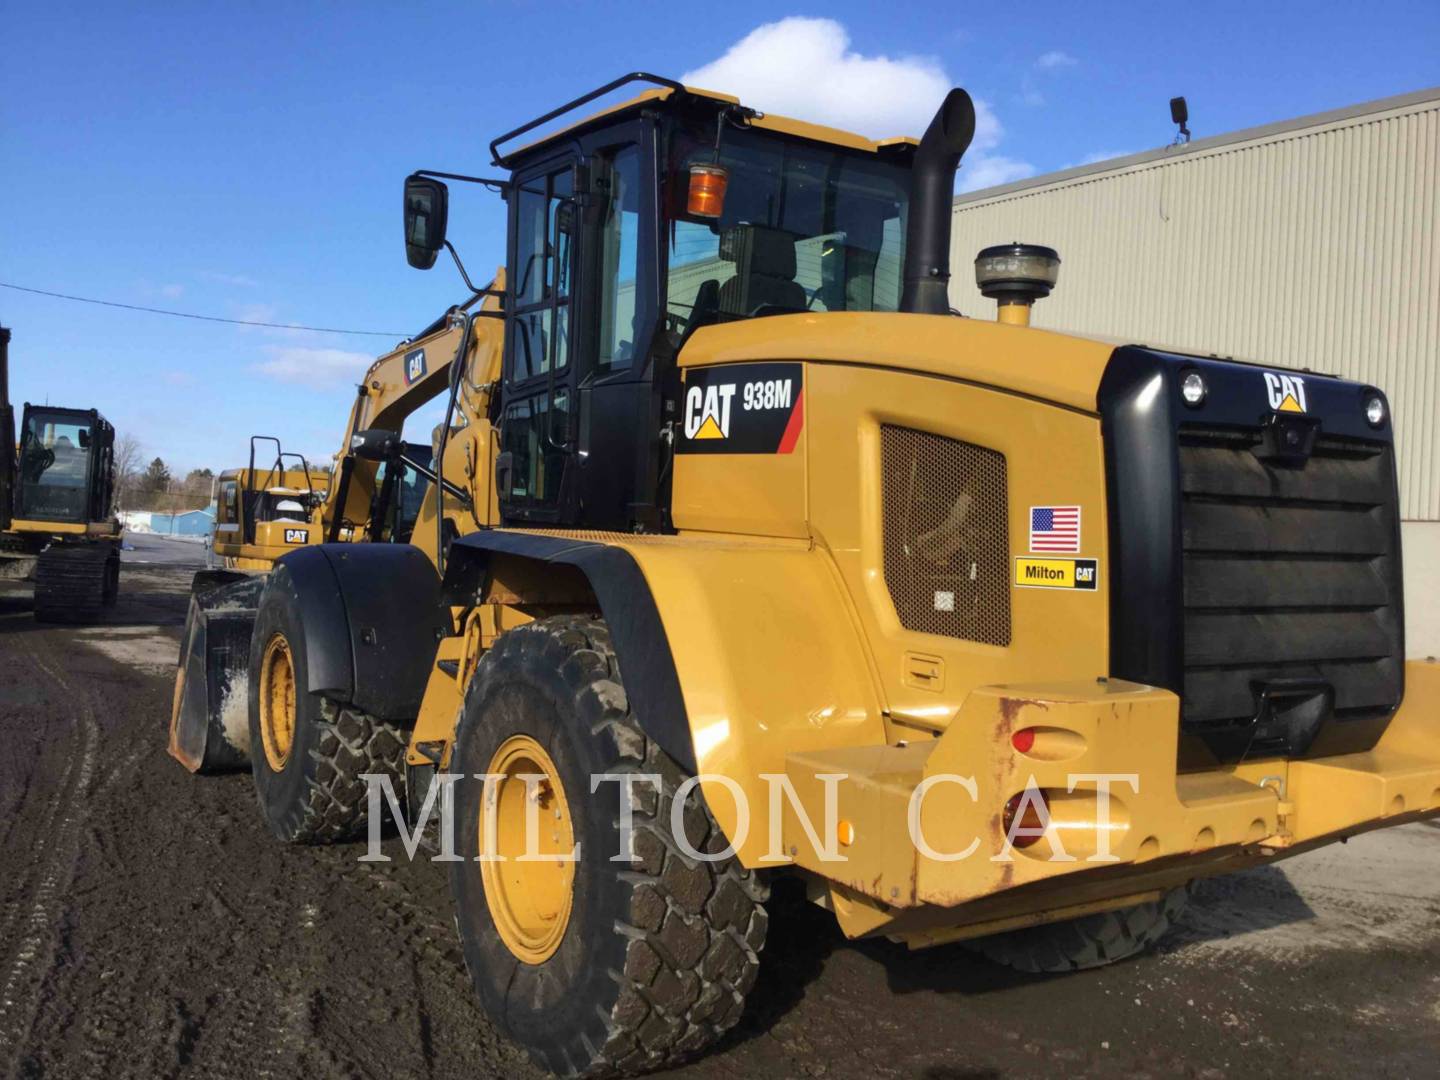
1055, 528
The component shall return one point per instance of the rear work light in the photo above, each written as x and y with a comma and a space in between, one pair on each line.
1023, 740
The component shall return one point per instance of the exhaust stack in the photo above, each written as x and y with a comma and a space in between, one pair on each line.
932, 194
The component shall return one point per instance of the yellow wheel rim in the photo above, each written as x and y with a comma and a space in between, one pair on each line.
277, 702
529, 898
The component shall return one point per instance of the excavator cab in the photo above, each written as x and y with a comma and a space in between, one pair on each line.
66, 470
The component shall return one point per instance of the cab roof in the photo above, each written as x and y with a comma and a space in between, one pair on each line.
802, 129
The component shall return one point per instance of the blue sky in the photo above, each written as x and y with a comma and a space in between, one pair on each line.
246, 160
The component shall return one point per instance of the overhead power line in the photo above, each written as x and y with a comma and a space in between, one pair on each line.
203, 318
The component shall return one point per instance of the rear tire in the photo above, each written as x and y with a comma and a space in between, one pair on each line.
1088, 942
655, 956
311, 779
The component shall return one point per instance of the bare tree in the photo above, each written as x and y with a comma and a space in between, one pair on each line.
129, 454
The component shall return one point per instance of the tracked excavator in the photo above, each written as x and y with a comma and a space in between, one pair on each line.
57, 493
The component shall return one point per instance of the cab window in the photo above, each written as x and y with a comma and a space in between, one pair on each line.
541, 326
619, 265
804, 228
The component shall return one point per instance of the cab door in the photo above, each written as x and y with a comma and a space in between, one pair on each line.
536, 470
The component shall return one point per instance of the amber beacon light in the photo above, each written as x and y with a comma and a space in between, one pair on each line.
707, 190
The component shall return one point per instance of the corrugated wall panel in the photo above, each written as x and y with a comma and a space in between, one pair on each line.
1312, 248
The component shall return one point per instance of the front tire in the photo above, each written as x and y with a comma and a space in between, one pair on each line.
642, 963
309, 755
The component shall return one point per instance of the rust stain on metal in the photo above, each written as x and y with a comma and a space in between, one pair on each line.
1010, 708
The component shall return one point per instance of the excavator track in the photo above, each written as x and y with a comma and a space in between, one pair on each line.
75, 582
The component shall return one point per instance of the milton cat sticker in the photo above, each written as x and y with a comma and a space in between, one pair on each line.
1286, 392
1082, 574
742, 409
414, 365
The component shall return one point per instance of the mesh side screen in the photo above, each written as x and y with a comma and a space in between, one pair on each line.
946, 536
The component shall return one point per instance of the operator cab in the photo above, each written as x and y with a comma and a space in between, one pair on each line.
631, 231
286, 492
66, 465
399, 493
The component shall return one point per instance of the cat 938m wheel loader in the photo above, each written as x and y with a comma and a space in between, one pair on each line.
983, 633
57, 492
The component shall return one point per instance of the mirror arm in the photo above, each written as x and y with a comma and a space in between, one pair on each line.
484, 181
474, 289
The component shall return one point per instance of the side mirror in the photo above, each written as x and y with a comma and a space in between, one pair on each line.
376, 444
426, 211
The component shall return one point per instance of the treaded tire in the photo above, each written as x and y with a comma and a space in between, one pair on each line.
658, 954
320, 795
74, 582
1089, 942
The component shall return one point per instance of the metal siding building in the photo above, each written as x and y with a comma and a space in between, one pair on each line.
1310, 244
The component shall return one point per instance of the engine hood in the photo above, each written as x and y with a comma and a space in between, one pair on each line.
1036, 363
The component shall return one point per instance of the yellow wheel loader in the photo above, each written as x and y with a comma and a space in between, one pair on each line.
57, 524
261, 513
748, 558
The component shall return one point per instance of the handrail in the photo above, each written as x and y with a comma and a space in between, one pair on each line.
634, 76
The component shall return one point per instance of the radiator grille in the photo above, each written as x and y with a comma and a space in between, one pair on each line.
1290, 573
946, 537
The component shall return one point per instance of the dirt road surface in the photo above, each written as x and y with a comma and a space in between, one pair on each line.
150, 927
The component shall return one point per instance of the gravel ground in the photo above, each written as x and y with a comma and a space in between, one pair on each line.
150, 927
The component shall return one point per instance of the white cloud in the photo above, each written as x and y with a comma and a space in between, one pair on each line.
991, 171
172, 292
1055, 58
240, 280
805, 68
318, 368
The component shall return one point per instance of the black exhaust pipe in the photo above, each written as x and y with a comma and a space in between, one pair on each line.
932, 197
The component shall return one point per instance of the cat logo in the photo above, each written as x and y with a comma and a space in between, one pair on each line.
296, 536
414, 365
707, 411
1286, 392
742, 409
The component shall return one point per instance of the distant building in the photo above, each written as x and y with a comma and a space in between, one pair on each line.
1311, 243
185, 523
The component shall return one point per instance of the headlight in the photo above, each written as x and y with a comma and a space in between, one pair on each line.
1375, 410
1192, 389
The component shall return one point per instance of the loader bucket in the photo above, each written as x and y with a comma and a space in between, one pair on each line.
209, 721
